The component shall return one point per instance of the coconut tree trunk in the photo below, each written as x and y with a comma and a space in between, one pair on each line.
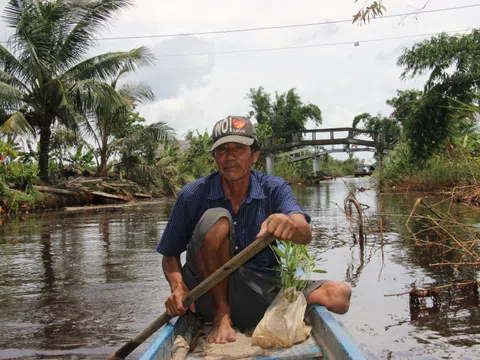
44, 155
102, 169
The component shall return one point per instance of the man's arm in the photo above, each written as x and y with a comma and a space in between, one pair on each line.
293, 227
172, 269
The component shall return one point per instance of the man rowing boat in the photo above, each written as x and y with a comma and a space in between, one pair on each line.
219, 215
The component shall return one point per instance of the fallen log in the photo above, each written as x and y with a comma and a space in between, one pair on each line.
143, 196
89, 181
106, 207
120, 185
108, 196
107, 186
47, 189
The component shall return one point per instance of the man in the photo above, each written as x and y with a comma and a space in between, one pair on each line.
219, 215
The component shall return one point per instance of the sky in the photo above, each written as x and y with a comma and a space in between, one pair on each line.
344, 80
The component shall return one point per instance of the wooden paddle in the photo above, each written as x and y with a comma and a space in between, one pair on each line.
207, 284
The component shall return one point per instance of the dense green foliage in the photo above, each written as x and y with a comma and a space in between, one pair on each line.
380, 124
300, 171
403, 104
285, 113
197, 161
452, 64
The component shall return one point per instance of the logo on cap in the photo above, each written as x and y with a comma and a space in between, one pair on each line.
238, 124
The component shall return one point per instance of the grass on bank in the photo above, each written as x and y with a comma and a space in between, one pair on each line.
450, 168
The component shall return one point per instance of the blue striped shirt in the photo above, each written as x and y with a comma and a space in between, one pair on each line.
267, 194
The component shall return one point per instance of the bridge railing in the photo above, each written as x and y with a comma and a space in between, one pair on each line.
297, 136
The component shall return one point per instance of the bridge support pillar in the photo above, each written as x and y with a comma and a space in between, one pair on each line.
269, 161
316, 165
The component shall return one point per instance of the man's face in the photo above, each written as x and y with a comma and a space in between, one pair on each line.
234, 161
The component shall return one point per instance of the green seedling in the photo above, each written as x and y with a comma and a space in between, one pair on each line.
295, 264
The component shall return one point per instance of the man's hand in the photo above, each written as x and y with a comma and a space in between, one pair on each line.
174, 302
293, 227
279, 225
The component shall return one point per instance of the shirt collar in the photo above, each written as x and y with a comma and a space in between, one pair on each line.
255, 190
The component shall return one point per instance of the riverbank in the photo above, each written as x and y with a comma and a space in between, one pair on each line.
462, 193
77, 192
114, 193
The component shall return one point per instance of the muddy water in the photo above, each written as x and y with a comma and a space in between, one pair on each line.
78, 285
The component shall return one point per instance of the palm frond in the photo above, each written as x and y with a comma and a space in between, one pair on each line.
87, 20
10, 94
119, 75
137, 91
12, 80
32, 39
89, 126
69, 116
159, 131
13, 12
92, 94
107, 66
16, 124
10, 64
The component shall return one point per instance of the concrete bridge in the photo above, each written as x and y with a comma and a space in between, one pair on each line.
352, 140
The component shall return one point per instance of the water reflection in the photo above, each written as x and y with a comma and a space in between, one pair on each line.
47, 261
355, 270
387, 262
76, 285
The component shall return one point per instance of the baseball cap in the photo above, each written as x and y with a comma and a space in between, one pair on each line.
237, 129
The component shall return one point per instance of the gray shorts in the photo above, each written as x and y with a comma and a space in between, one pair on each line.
249, 292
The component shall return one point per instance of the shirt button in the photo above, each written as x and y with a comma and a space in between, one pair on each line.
236, 247
234, 223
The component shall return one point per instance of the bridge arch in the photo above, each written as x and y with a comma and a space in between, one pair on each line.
352, 139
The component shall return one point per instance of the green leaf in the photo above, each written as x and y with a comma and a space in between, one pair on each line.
279, 252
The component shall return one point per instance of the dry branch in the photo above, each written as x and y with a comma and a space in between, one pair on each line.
445, 227
433, 291
350, 199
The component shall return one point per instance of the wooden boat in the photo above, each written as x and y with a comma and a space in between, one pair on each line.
328, 340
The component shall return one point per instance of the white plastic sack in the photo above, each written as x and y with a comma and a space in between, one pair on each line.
282, 325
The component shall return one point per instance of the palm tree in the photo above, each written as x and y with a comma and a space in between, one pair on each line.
107, 125
46, 79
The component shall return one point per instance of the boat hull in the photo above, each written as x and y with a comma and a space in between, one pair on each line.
328, 341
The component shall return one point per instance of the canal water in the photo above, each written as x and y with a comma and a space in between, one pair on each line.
78, 285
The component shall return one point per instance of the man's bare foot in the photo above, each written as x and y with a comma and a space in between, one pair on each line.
222, 330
